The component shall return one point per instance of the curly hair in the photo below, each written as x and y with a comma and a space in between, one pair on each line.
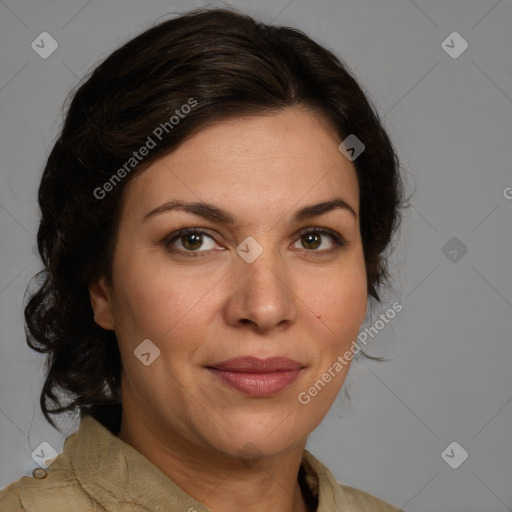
232, 65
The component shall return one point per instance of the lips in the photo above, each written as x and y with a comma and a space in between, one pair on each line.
255, 365
257, 377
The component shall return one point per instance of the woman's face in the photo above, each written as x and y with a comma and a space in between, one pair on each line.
246, 185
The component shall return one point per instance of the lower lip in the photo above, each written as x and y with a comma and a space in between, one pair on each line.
257, 384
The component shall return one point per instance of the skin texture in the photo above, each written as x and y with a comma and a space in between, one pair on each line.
227, 449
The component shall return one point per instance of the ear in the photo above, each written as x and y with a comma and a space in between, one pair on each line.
101, 302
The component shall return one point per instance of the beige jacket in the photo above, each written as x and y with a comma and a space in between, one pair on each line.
98, 472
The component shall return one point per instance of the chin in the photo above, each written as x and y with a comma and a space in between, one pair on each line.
251, 441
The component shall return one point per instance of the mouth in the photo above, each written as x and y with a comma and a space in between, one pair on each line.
257, 377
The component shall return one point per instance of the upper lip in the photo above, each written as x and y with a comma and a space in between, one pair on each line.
252, 364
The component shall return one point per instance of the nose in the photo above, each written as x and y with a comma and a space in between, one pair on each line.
261, 295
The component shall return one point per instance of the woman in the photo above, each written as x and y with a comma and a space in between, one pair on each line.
214, 216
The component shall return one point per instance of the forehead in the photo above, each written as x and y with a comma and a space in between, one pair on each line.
254, 164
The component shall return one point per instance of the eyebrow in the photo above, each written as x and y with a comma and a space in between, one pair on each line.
212, 212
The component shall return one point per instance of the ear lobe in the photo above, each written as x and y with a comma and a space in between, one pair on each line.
101, 303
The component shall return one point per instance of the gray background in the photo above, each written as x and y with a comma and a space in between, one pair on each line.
451, 121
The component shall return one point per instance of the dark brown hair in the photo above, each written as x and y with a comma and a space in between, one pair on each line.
230, 65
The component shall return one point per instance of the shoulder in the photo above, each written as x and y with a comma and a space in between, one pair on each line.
59, 491
333, 495
359, 500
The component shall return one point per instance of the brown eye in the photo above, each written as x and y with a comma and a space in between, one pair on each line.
191, 241
319, 238
311, 240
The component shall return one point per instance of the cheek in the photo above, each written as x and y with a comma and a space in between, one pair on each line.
160, 306
339, 300
161, 303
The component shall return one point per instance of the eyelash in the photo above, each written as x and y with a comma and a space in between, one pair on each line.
338, 240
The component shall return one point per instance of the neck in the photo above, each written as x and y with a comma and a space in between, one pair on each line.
218, 481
